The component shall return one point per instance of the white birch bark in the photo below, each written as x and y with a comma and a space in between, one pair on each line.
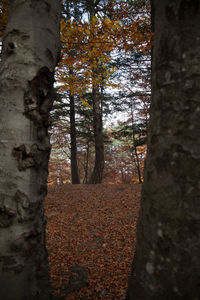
29, 56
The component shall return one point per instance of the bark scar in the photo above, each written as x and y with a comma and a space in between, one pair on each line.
7, 214
28, 158
38, 99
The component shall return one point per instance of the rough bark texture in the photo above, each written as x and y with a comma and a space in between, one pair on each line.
74, 166
167, 261
97, 173
30, 53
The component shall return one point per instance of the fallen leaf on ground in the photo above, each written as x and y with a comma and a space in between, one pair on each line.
91, 235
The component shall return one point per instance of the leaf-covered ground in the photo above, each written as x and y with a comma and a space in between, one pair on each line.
91, 239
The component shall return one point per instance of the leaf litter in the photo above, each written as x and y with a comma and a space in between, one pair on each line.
91, 235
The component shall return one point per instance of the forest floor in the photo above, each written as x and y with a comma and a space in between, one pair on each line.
91, 234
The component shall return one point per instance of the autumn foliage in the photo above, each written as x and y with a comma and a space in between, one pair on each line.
87, 47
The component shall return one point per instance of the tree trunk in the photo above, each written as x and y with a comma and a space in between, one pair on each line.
167, 262
137, 163
74, 166
30, 53
136, 158
73, 151
97, 173
85, 180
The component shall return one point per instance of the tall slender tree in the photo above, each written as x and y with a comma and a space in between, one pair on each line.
167, 262
75, 179
73, 149
29, 56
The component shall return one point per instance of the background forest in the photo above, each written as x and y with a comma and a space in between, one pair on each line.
100, 115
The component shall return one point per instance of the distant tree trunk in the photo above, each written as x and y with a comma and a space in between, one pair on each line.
75, 179
97, 173
167, 263
73, 150
30, 53
137, 163
85, 180
136, 158
74, 166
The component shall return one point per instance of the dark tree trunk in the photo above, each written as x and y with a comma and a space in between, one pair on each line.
30, 53
73, 150
74, 166
97, 173
136, 158
85, 180
137, 163
167, 263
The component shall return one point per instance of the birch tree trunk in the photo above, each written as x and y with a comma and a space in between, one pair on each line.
167, 263
29, 56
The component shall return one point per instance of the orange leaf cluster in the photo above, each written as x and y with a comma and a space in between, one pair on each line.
87, 48
86, 51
